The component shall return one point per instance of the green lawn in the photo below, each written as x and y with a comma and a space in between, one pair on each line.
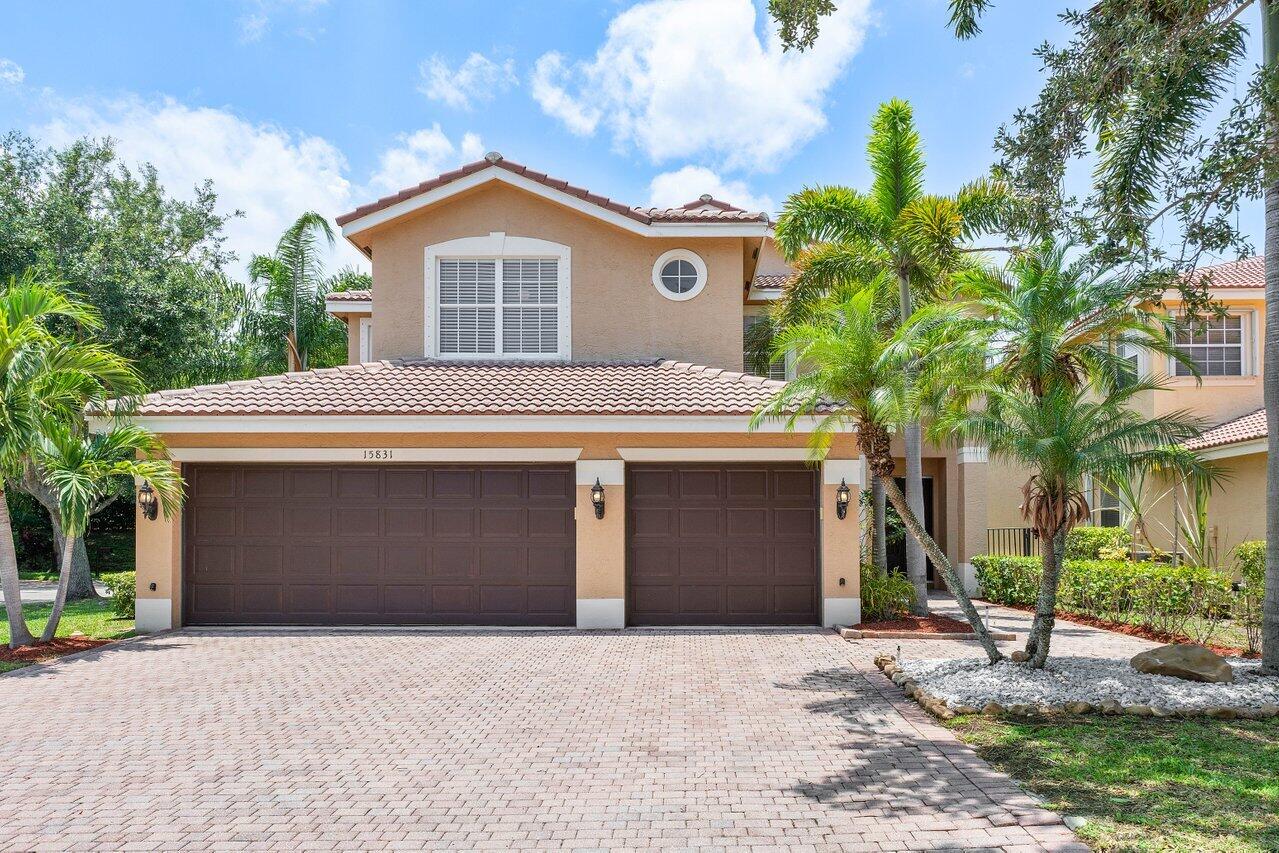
26, 575
1146, 785
91, 618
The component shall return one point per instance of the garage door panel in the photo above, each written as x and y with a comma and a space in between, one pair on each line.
391, 544
721, 544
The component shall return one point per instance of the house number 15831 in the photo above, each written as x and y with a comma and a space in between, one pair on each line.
377, 454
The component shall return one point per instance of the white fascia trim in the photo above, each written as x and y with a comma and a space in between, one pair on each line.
835, 471
451, 423
1254, 294
1241, 448
374, 455
714, 454
153, 614
756, 294
601, 613
841, 612
347, 306
610, 472
496, 173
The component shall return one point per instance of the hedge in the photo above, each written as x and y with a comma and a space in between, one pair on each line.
1086, 543
123, 586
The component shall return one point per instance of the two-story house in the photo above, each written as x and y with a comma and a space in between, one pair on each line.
544, 422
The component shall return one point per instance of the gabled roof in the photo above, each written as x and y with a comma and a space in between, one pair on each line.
499, 167
1249, 427
349, 296
428, 387
1249, 272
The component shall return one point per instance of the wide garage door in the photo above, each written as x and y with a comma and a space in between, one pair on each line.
722, 545
393, 544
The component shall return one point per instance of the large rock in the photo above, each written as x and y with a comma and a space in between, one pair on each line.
1186, 661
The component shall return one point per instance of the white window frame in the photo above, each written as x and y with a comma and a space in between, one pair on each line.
693, 258
366, 339
788, 365
498, 246
1247, 354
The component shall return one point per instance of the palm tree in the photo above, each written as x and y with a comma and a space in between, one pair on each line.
295, 288
81, 470
43, 380
1061, 436
836, 234
882, 377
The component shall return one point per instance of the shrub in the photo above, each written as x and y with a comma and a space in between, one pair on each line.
1085, 543
884, 597
123, 586
1008, 580
1250, 560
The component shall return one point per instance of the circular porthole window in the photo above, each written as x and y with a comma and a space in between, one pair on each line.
679, 274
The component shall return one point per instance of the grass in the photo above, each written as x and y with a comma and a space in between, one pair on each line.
1146, 785
91, 618
28, 575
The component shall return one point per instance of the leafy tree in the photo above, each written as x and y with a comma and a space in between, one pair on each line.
82, 470
833, 235
884, 376
44, 380
1142, 92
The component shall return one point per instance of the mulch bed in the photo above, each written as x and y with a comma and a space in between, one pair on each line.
932, 624
55, 648
1141, 631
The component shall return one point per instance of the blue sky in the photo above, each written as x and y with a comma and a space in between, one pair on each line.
325, 104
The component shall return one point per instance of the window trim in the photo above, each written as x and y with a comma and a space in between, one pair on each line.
366, 339
497, 245
788, 364
1247, 353
693, 258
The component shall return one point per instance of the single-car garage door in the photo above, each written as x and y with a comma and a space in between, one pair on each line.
384, 544
722, 545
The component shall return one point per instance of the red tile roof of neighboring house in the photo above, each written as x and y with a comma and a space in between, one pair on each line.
1250, 272
1247, 427
429, 387
775, 281
350, 296
645, 215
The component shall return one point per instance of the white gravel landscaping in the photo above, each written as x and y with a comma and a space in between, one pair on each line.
1084, 679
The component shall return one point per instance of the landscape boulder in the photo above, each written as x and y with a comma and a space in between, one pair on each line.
1186, 661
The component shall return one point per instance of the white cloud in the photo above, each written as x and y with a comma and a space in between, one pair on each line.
11, 72
477, 79
681, 78
256, 22
672, 189
420, 156
270, 173
253, 26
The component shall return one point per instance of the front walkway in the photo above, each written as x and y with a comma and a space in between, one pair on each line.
205, 740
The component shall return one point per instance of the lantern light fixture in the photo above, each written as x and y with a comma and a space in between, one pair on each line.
597, 498
148, 501
842, 496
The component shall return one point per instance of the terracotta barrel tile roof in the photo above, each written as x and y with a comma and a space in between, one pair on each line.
771, 282
646, 215
427, 387
350, 296
1244, 428
1250, 272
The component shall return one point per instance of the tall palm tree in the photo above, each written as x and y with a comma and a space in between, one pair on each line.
43, 380
836, 234
81, 469
883, 377
295, 286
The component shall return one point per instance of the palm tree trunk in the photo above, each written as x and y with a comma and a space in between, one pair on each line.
1270, 604
81, 586
916, 563
879, 526
1041, 628
19, 635
917, 532
60, 599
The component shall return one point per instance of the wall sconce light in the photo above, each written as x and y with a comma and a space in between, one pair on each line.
597, 498
148, 502
842, 497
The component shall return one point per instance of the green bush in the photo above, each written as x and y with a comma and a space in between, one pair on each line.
1250, 560
1008, 580
123, 586
883, 597
1085, 543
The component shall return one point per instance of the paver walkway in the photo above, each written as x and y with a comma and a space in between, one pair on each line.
467, 740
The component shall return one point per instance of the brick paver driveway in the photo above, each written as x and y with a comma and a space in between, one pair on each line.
413, 740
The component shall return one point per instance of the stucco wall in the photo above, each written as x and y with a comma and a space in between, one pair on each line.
616, 311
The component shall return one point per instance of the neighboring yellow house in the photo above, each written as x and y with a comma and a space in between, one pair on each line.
1227, 397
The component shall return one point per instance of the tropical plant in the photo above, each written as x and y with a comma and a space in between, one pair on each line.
1195, 533
861, 374
81, 469
835, 235
44, 380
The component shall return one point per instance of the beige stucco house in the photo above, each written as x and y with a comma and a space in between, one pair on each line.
544, 421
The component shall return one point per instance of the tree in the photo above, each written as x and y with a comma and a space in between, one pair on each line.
44, 379
836, 234
884, 376
82, 470
292, 304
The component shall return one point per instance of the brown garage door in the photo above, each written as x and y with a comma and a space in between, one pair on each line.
362, 545
722, 545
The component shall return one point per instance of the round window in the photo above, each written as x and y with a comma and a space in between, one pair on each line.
679, 274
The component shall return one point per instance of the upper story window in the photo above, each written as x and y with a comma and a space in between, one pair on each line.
497, 297
679, 274
780, 369
1217, 346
